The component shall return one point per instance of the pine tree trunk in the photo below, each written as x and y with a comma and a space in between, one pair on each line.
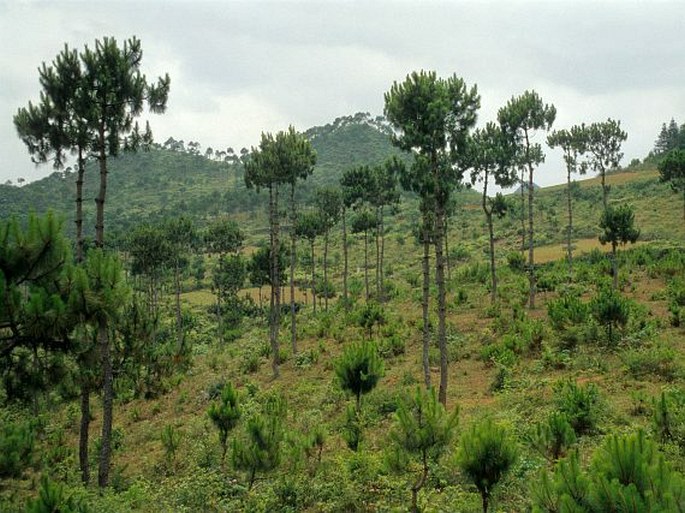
103, 335
493, 270
442, 307
79, 206
344, 242
313, 276
378, 256
275, 280
447, 250
491, 234
107, 403
293, 257
614, 265
382, 296
523, 211
179, 317
325, 270
531, 255
425, 300
484, 498
570, 225
366, 263
605, 193
100, 199
84, 432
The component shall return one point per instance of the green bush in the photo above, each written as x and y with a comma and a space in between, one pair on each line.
225, 414
359, 369
553, 437
422, 431
516, 261
259, 450
369, 315
250, 362
52, 498
611, 311
16, 448
627, 474
306, 359
171, 440
660, 362
351, 429
669, 416
580, 404
566, 311
392, 346
486, 454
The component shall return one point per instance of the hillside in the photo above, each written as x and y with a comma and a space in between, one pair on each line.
151, 185
520, 368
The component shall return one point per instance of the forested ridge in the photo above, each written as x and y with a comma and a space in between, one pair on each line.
336, 320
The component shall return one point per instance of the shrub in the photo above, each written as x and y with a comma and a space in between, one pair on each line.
660, 361
627, 474
352, 431
260, 449
486, 454
611, 311
171, 440
566, 311
306, 359
369, 315
553, 437
580, 404
422, 430
669, 416
516, 261
16, 447
359, 369
52, 498
225, 414
250, 362
392, 346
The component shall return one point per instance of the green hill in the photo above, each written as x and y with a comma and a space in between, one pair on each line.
161, 182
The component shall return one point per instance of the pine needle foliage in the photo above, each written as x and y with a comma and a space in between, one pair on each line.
553, 437
422, 431
225, 415
359, 369
260, 449
627, 475
486, 454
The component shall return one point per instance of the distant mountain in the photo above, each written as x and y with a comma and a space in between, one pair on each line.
183, 180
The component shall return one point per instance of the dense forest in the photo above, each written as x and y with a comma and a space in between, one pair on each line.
337, 320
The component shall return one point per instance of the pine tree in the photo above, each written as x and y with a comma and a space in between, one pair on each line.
603, 144
486, 454
225, 414
433, 117
491, 159
359, 369
618, 227
672, 170
520, 118
573, 143
423, 430
277, 161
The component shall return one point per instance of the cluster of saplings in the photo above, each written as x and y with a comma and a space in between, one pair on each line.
70, 324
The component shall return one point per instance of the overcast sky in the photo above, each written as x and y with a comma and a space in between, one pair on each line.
240, 68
